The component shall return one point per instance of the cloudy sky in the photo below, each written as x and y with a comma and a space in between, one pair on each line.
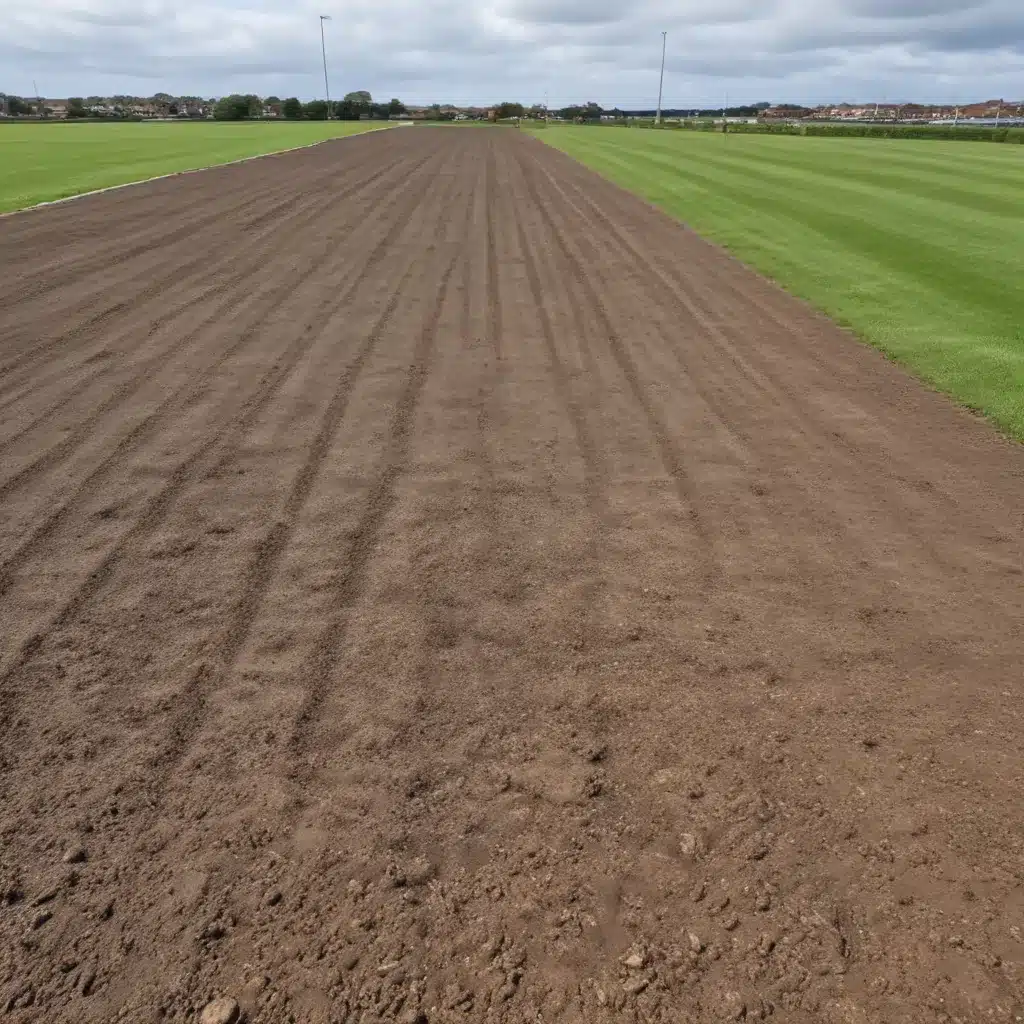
480, 51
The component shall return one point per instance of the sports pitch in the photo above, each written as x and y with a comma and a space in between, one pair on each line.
42, 162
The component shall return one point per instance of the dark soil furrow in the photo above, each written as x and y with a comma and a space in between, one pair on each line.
671, 457
824, 448
197, 271
211, 456
54, 456
364, 538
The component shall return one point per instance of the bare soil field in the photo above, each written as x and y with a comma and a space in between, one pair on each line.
436, 586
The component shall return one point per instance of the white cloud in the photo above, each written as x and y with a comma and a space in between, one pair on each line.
569, 50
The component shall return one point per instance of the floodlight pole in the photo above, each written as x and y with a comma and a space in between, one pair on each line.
661, 80
323, 50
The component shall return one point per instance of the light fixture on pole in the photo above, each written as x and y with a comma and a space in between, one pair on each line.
323, 50
661, 80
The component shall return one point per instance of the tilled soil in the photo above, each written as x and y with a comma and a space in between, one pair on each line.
436, 586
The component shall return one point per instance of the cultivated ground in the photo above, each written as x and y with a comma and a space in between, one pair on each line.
915, 244
436, 586
42, 162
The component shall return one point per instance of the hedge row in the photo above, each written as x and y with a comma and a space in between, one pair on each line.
967, 133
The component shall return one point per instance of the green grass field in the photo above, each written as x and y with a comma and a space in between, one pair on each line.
39, 162
918, 246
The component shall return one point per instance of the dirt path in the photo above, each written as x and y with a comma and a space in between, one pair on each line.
438, 587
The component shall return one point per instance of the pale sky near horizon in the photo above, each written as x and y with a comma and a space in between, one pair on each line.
806, 51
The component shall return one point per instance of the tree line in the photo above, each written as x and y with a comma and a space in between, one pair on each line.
237, 107
594, 111
355, 106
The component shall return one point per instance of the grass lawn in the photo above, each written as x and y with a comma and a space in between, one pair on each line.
50, 161
916, 245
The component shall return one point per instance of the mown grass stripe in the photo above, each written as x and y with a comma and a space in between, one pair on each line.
43, 162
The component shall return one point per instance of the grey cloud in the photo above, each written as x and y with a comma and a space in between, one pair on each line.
803, 50
599, 12
1000, 33
117, 19
770, 66
911, 8
568, 12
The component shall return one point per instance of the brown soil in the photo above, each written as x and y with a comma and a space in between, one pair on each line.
438, 587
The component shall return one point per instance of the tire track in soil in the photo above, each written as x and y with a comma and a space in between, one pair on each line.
196, 270
189, 717
100, 260
260, 572
696, 367
765, 388
493, 292
184, 395
220, 444
688, 295
671, 459
262, 569
595, 471
684, 312
364, 537
30, 381
236, 289
216, 454
695, 364
280, 196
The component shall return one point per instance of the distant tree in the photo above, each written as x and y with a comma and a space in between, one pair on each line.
590, 112
396, 108
233, 108
292, 109
15, 106
76, 107
315, 110
355, 105
346, 110
272, 101
506, 110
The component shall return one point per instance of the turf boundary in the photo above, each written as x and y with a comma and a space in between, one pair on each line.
191, 170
